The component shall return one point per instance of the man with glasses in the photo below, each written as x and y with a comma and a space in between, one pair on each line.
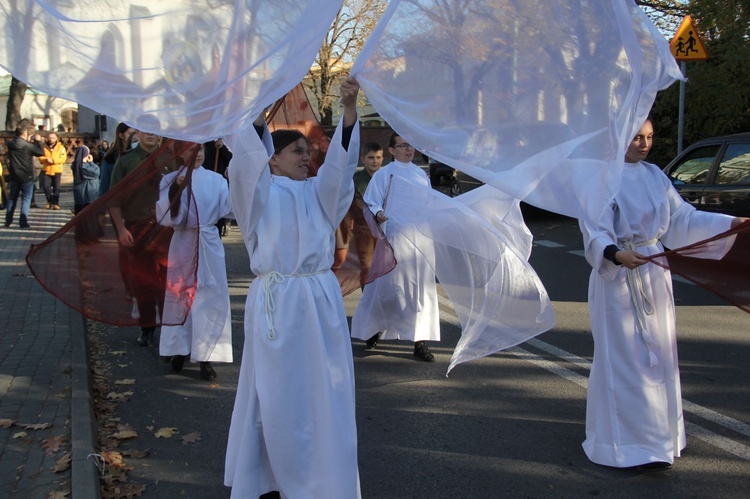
403, 303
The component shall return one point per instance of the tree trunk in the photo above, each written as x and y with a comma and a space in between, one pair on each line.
15, 99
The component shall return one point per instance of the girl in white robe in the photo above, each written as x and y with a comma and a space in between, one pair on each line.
206, 335
634, 406
293, 427
403, 303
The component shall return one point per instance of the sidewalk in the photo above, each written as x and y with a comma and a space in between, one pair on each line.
47, 426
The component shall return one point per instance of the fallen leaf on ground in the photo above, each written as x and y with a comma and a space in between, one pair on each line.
62, 464
165, 432
52, 444
125, 491
213, 385
58, 494
118, 396
137, 454
35, 426
7, 423
20, 434
118, 352
150, 428
125, 382
125, 434
191, 438
113, 458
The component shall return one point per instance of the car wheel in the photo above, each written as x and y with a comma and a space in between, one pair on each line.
455, 189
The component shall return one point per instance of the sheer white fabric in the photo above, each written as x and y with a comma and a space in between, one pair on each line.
478, 246
538, 98
203, 67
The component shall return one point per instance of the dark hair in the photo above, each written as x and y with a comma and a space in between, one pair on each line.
392, 140
20, 130
284, 137
371, 147
148, 121
119, 146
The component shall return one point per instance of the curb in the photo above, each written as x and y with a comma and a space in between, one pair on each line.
84, 471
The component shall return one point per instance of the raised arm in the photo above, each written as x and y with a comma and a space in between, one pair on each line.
249, 174
335, 185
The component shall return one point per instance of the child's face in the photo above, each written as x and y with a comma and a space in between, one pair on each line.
373, 160
293, 161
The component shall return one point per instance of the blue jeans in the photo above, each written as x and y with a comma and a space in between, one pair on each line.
25, 189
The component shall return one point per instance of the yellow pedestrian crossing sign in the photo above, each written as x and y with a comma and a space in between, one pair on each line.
686, 44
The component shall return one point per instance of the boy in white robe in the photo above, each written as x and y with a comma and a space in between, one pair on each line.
402, 304
293, 432
634, 405
206, 335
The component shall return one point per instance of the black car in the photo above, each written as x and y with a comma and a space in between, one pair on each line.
714, 174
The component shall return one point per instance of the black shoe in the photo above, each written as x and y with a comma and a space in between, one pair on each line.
207, 372
25, 226
271, 495
653, 466
422, 352
370, 344
147, 337
177, 362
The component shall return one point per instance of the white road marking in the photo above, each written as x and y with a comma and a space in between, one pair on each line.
723, 443
548, 244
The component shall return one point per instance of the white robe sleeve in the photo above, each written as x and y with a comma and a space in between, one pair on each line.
163, 211
375, 193
688, 225
249, 177
335, 187
596, 237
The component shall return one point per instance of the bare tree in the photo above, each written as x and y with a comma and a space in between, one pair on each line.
22, 19
15, 99
350, 29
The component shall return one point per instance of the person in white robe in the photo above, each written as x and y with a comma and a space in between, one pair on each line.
634, 406
402, 304
293, 431
206, 335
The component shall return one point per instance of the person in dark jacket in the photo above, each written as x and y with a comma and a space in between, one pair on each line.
21, 153
218, 156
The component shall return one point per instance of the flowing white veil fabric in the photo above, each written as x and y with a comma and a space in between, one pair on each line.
203, 67
478, 247
538, 98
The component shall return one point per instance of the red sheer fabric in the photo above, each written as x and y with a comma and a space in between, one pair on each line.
728, 278
360, 257
85, 264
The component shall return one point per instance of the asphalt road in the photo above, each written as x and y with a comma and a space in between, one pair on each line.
510, 425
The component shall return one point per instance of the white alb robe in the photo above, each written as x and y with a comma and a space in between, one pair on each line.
293, 427
634, 408
402, 304
207, 332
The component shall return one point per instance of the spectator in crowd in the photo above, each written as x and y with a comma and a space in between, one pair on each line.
123, 136
55, 156
21, 174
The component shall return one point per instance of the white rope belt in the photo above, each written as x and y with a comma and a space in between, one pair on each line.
641, 301
270, 306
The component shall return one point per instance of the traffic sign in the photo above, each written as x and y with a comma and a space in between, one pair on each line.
686, 44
